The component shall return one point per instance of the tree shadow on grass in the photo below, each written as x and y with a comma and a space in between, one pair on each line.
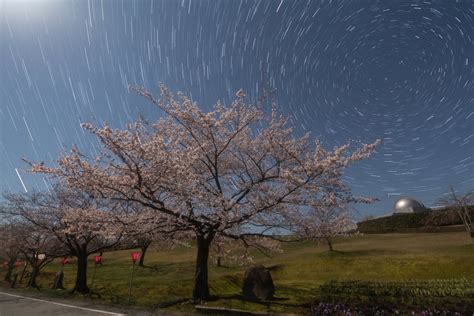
161, 268
356, 253
223, 266
237, 297
171, 303
267, 303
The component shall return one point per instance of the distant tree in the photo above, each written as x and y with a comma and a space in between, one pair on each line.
39, 248
143, 241
220, 250
329, 216
9, 250
233, 172
22, 240
75, 220
144, 228
231, 251
461, 204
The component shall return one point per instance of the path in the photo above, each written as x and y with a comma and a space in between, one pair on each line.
18, 305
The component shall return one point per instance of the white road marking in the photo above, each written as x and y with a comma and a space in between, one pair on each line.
65, 305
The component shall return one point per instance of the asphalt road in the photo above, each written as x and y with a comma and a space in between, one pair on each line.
17, 305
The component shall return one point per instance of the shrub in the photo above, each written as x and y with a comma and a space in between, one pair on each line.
428, 221
391, 224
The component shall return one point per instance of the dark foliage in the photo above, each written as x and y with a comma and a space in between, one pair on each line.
428, 221
391, 224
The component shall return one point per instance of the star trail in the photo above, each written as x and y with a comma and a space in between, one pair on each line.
401, 71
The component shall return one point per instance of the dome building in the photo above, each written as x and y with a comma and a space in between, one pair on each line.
406, 205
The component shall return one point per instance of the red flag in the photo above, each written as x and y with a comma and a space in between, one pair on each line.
98, 259
135, 256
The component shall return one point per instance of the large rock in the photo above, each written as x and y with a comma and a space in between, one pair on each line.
258, 283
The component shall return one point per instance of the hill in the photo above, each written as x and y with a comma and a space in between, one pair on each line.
439, 220
298, 273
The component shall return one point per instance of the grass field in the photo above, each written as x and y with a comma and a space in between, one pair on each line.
302, 269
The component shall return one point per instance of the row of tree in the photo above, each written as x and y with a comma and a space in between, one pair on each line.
234, 173
41, 226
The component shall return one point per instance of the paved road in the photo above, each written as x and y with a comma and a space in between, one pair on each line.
17, 305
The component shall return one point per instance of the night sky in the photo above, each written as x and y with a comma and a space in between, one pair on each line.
356, 70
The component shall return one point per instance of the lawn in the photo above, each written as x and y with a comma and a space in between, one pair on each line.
299, 271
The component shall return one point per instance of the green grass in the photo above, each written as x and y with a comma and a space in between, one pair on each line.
303, 268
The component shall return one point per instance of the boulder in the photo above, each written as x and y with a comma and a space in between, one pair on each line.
258, 283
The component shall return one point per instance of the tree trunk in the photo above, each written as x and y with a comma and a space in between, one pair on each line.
23, 271
219, 257
201, 286
58, 281
143, 248
329, 242
11, 266
34, 274
81, 276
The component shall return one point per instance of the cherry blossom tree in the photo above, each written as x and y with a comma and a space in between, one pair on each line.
233, 171
9, 250
328, 216
73, 219
38, 247
22, 240
221, 249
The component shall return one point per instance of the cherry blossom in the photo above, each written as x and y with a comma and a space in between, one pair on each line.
233, 172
